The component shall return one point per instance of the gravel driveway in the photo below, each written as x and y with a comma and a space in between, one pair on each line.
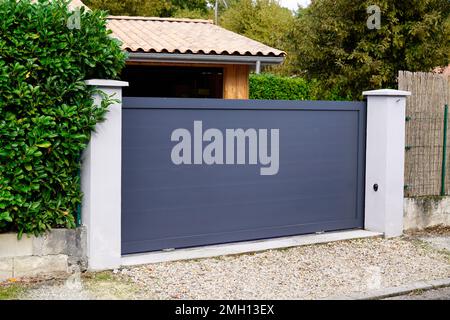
307, 272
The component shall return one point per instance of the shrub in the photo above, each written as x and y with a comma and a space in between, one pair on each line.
46, 110
271, 87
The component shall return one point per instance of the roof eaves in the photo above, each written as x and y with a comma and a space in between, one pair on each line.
203, 58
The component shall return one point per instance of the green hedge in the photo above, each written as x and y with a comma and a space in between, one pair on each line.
46, 110
271, 87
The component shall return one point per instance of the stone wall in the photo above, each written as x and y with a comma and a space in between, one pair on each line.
423, 212
58, 251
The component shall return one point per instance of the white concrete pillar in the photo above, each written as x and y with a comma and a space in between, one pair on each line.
101, 182
385, 153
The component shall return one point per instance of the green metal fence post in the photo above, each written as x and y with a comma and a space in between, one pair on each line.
444, 152
78, 213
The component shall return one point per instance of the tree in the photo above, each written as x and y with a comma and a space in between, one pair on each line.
333, 43
151, 8
262, 20
195, 9
190, 4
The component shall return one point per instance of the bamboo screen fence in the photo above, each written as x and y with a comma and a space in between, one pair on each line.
425, 174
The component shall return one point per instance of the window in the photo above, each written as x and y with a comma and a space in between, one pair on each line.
173, 82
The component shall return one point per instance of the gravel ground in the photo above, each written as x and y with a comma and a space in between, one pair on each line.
89, 286
437, 237
59, 291
438, 294
438, 242
307, 272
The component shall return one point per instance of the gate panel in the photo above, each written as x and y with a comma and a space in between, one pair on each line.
319, 185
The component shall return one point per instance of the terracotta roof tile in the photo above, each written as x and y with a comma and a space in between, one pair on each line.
169, 35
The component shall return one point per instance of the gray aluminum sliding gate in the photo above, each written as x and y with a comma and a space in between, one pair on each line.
190, 177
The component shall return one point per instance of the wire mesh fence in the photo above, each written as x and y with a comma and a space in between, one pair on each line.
425, 164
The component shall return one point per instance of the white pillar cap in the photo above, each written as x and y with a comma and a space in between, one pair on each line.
387, 92
106, 83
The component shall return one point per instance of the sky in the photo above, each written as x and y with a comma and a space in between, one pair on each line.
293, 4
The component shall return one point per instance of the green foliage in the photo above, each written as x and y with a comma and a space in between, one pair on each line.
152, 8
46, 110
12, 291
261, 20
272, 87
333, 44
190, 5
268, 86
264, 21
193, 14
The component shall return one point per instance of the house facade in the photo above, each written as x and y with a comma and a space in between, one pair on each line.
188, 58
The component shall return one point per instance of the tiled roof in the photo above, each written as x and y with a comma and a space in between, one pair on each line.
168, 35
